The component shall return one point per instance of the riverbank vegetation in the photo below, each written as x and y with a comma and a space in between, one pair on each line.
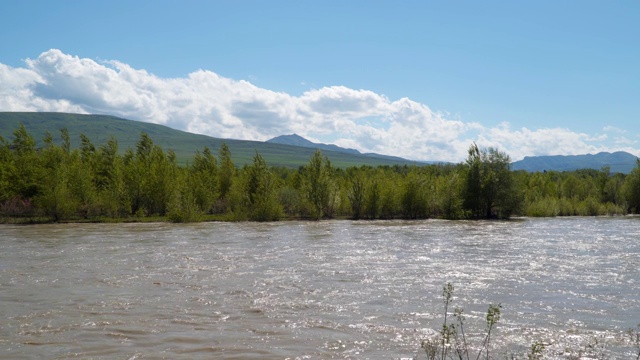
454, 341
100, 182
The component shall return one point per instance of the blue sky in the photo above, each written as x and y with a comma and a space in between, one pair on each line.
417, 79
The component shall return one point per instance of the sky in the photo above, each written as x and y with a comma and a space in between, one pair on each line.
418, 79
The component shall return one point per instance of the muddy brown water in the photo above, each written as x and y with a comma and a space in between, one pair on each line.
313, 290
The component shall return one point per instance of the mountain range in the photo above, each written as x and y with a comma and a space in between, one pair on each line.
286, 150
620, 161
297, 140
99, 128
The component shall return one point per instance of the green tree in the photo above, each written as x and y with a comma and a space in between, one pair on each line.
150, 177
613, 190
110, 183
184, 206
26, 176
163, 178
6, 168
631, 189
357, 195
225, 177
70, 191
373, 199
318, 186
391, 185
203, 180
539, 186
574, 187
415, 196
449, 196
56, 198
261, 191
489, 187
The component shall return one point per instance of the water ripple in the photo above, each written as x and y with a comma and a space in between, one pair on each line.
333, 289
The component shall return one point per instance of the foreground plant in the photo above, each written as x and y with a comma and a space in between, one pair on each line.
634, 337
452, 342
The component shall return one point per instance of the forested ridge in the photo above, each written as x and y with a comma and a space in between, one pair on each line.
97, 182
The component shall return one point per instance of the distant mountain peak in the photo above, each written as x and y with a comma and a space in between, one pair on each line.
293, 139
297, 140
294, 136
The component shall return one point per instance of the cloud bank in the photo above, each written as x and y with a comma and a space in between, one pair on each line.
206, 103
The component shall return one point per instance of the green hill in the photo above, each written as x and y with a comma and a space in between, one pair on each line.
99, 128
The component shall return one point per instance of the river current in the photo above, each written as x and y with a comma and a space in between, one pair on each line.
314, 290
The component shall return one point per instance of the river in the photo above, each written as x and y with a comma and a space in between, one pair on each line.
314, 290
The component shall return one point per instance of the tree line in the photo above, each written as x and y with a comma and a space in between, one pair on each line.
56, 182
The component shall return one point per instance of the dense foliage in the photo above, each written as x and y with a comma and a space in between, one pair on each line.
58, 183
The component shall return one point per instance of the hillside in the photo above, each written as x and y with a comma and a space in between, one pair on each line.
620, 161
99, 128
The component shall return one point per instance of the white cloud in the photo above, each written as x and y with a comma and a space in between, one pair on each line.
206, 103
526, 142
610, 128
623, 141
16, 92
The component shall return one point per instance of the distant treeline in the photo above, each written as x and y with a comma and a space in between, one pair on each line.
60, 183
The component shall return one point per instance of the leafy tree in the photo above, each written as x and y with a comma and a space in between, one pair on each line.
632, 189
575, 188
225, 178
69, 191
133, 179
318, 186
489, 185
110, 183
87, 150
539, 186
203, 180
289, 194
613, 190
162, 180
261, 192
184, 207
150, 177
415, 196
390, 195
6, 168
373, 199
357, 195
26, 174
601, 182
449, 196
56, 198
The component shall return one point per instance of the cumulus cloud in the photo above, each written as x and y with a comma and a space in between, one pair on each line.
206, 103
526, 142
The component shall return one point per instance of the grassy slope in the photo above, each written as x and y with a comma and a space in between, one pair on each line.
99, 128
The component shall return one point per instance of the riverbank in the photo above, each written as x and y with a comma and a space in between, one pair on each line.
231, 219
